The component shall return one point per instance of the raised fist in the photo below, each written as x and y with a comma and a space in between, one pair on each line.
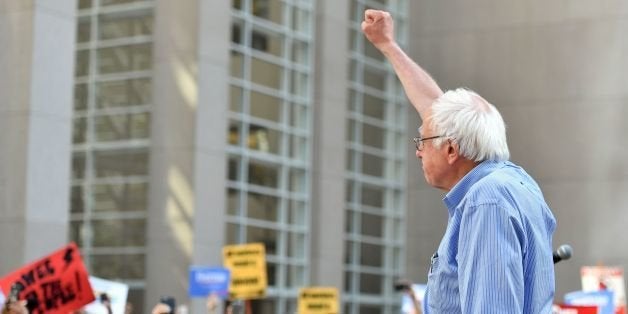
378, 27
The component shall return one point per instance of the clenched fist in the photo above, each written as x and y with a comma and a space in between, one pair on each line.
378, 28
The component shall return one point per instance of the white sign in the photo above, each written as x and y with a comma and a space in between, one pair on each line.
116, 291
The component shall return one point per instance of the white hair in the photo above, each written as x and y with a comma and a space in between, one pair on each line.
473, 123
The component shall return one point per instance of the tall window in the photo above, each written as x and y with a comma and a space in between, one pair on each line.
112, 101
269, 140
375, 190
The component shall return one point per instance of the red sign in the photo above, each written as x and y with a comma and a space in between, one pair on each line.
57, 283
576, 309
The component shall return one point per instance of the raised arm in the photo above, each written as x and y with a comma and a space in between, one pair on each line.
419, 86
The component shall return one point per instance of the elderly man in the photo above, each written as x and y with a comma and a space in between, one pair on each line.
496, 254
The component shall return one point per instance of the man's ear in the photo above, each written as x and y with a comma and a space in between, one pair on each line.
453, 151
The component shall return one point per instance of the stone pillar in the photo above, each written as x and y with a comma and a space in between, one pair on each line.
330, 107
171, 198
211, 136
36, 83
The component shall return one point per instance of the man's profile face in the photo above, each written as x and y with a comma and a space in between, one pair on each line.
433, 159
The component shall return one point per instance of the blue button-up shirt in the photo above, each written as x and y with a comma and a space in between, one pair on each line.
496, 254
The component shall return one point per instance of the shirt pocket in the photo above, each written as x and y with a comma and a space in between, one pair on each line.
433, 263
433, 302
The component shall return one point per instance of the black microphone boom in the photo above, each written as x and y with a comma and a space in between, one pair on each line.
562, 253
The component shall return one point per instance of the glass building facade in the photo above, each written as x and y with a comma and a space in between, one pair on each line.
269, 140
375, 184
111, 139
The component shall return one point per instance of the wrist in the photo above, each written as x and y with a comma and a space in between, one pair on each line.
388, 47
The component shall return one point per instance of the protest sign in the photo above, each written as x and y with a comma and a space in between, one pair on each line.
247, 265
603, 299
57, 283
596, 278
315, 300
574, 309
209, 280
116, 293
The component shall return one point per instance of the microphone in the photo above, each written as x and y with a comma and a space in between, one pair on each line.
562, 253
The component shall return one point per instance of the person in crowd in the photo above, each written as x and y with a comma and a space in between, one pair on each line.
14, 307
161, 308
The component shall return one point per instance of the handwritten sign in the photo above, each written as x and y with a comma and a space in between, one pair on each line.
57, 283
323, 300
247, 264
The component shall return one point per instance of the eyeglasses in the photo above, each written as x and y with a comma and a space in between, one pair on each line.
418, 141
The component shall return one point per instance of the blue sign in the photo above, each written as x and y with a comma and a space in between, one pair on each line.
602, 298
207, 280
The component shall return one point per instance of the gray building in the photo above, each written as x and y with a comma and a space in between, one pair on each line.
153, 133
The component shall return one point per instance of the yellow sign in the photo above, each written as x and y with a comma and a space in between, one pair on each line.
318, 300
247, 264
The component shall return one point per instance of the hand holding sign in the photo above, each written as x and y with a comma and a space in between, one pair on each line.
15, 307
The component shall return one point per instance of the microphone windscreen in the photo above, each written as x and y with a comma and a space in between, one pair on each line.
564, 251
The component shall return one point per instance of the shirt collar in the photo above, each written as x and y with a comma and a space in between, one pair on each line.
453, 198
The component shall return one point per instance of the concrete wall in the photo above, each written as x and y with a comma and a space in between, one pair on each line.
557, 71
36, 83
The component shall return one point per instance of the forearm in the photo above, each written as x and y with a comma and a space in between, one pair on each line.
415, 304
419, 86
